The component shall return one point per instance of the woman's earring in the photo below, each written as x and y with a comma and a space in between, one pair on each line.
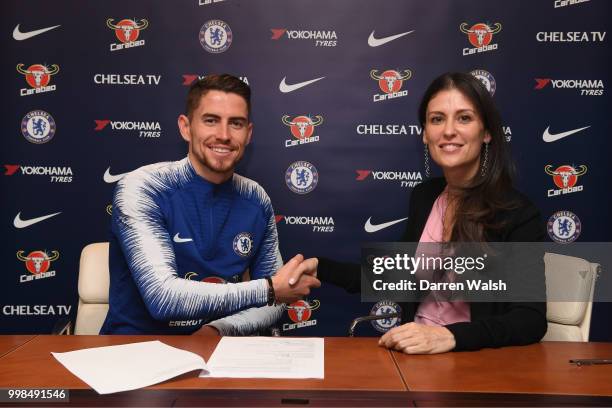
483, 171
426, 154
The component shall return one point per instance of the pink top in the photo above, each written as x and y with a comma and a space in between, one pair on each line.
431, 311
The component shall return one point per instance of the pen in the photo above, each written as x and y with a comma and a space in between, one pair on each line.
590, 361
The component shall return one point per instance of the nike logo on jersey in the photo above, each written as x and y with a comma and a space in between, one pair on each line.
376, 42
369, 227
553, 137
112, 178
19, 223
285, 88
20, 36
180, 240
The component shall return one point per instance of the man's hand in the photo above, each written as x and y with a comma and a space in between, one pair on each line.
415, 338
295, 279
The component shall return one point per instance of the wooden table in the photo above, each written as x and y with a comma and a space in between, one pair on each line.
539, 374
10, 343
357, 373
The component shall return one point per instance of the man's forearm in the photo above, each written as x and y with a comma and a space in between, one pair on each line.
248, 321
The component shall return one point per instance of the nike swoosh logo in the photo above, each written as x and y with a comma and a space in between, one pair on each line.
110, 178
377, 42
284, 88
369, 227
20, 36
180, 240
19, 223
553, 137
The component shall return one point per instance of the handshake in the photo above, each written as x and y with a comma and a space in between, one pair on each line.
294, 280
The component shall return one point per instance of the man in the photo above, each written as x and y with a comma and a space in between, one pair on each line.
181, 228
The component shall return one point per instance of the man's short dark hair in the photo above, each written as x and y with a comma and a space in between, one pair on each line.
217, 82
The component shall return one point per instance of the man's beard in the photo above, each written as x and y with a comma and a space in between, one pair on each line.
220, 166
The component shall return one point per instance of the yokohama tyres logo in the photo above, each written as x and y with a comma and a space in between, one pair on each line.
148, 129
321, 38
57, 174
318, 224
586, 87
405, 178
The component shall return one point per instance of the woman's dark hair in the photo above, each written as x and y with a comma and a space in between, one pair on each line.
478, 203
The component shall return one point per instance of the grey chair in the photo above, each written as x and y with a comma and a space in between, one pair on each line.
573, 279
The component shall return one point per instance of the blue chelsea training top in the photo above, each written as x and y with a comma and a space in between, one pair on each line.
180, 249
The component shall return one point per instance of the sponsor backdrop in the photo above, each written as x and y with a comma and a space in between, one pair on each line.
93, 91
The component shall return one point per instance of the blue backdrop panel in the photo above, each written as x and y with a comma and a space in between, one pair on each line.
114, 108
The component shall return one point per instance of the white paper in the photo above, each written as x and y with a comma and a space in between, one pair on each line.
267, 357
129, 366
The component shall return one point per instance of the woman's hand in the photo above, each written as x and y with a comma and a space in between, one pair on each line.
415, 338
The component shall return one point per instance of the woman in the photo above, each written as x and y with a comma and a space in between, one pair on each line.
473, 202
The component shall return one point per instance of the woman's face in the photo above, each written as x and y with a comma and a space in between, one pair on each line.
454, 133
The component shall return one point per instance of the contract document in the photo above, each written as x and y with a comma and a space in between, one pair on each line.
267, 357
129, 366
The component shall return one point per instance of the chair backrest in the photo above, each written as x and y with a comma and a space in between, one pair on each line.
567, 320
94, 280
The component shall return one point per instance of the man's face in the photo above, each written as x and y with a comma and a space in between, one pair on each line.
217, 132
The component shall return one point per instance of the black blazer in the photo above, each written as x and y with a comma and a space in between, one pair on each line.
492, 324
